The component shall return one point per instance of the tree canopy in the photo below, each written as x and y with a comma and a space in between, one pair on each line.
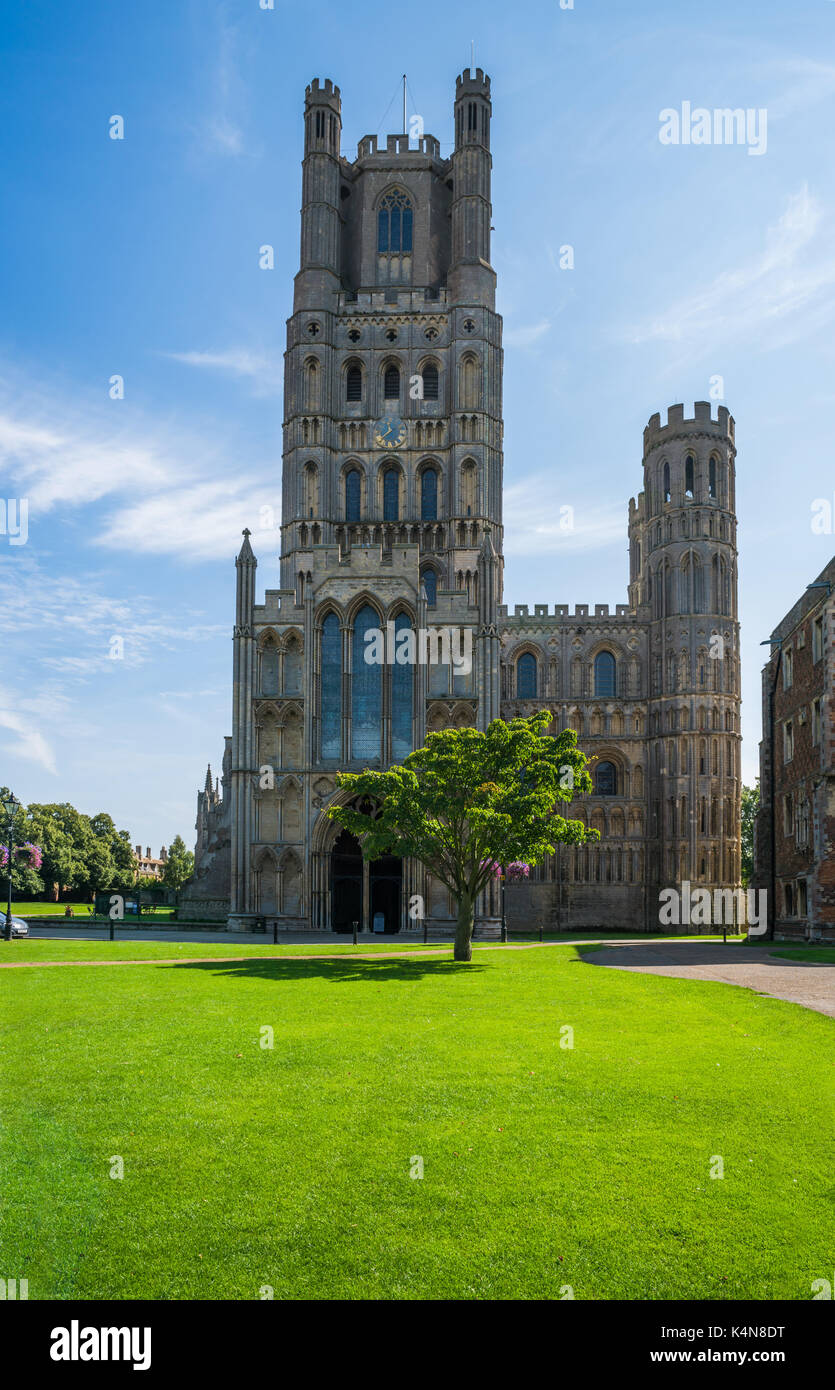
470, 800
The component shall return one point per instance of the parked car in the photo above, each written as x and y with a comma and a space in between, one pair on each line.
19, 927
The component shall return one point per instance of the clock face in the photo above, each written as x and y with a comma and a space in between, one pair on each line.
390, 433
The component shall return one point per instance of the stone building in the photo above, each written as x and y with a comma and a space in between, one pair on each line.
392, 514
147, 866
795, 825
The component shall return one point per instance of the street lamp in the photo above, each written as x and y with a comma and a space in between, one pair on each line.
10, 805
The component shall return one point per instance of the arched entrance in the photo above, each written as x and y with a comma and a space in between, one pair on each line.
346, 882
386, 881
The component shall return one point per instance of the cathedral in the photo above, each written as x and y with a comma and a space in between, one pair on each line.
392, 520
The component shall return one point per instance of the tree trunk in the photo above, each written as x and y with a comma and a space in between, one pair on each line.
464, 929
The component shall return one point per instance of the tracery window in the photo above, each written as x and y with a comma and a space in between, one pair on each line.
605, 670
526, 677
394, 224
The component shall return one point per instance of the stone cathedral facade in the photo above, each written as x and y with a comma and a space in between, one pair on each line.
392, 515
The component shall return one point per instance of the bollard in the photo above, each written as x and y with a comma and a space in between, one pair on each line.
355, 925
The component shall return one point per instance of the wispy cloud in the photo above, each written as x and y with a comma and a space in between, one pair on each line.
539, 521
527, 334
163, 489
26, 741
264, 372
786, 291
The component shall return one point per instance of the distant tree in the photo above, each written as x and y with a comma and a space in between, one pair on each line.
750, 804
469, 801
179, 866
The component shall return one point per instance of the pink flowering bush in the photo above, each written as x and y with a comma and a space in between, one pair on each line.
35, 857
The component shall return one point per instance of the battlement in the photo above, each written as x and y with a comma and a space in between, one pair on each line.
655, 433
467, 84
322, 94
521, 612
426, 145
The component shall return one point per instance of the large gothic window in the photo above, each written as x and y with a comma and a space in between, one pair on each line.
429, 495
526, 677
391, 495
605, 779
429, 580
402, 686
666, 482
353, 493
394, 224
712, 478
331, 703
366, 689
689, 476
391, 384
605, 673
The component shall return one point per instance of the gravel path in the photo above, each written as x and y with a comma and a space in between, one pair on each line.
755, 968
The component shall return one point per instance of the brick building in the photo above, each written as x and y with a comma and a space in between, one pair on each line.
795, 825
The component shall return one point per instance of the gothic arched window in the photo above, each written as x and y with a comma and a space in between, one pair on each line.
430, 382
429, 495
712, 478
391, 495
526, 677
429, 580
394, 224
605, 670
366, 689
331, 707
353, 494
606, 779
353, 382
402, 690
689, 476
666, 482
391, 384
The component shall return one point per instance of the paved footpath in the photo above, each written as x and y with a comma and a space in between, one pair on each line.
755, 968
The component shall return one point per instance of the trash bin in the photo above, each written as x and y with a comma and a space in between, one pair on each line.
379, 923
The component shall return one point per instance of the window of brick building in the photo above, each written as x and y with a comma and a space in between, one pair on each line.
788, 741
817, 639
816, 721
788, 669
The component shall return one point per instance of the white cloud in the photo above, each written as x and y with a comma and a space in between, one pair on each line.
538, 522
29, 744
527, 334
181, 497
784, 292
263, 371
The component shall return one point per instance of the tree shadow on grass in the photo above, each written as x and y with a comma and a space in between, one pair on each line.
336, 970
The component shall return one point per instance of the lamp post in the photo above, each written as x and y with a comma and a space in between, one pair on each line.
10, 805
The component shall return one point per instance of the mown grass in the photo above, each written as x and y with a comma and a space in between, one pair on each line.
545, 1167
42, 949
818, 955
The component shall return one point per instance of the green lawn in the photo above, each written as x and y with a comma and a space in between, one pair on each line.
43, 949
544, 1167
83, 911
818, 955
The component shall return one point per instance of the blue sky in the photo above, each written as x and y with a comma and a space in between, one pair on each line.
139, 258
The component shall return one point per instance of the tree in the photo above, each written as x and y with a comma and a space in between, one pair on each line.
179, 865
26, 880
750, 805
469, 801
